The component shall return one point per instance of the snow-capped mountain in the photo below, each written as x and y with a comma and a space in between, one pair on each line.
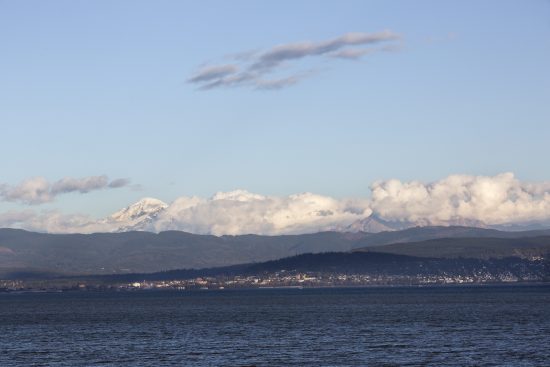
138, 216
144, 215
375, 224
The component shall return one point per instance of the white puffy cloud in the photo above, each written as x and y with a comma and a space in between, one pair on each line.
457, 199
232, 213
241, 212
493, 200
38, 190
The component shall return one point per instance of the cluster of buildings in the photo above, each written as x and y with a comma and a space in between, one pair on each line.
280, 279
288, 279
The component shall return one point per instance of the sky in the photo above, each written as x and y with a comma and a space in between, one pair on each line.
103, 103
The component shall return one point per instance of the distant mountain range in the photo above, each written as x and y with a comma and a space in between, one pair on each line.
145, 252
375, 224
478, 248
149, 214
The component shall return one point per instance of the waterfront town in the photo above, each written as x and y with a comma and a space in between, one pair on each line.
280, 279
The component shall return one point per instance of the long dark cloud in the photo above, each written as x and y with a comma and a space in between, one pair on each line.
270, 84
207, 74
251, 71
82, 185
292, 51
38, 190
351, 53
119, 182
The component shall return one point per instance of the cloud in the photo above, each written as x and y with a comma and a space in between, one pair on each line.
53, 221
240, 79
34, 190
271, 84
241, 212
225, 213
13, 218
254, 66
499, 199
213, 72
293, 51
351, 53
82, 185
38, 190
119, 182
492, 200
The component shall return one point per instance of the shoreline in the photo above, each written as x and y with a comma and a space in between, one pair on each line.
281, 288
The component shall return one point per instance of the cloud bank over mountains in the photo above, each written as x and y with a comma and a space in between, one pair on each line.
256, 70
499, 199
457, 199
240, 212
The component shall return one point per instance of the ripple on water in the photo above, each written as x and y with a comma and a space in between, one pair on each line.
490, 326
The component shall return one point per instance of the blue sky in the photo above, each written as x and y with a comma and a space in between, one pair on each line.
93, 88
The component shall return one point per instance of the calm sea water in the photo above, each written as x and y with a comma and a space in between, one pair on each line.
481, 326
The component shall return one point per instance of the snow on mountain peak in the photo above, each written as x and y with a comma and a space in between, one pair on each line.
237, 195
144, 209
375, 224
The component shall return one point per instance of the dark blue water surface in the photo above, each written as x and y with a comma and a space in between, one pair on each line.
451, 326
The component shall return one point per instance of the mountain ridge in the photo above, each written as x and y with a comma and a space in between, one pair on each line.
138, 251
198, 216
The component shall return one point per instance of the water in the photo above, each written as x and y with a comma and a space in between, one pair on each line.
481, 326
